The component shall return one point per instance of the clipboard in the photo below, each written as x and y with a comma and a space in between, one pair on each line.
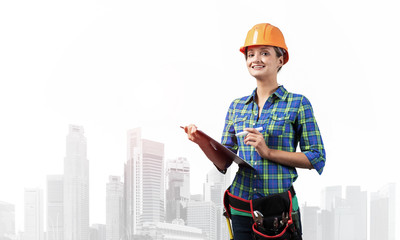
227, 154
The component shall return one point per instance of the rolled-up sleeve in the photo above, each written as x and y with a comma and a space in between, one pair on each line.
311, 143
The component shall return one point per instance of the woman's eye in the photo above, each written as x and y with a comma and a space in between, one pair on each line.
265, 53
250, 55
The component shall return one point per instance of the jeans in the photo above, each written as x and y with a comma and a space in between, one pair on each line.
242, 227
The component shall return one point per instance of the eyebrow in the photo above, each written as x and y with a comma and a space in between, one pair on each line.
263, 48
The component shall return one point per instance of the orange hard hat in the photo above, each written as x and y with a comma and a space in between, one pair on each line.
265, 34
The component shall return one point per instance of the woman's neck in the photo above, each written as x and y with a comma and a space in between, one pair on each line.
266, 88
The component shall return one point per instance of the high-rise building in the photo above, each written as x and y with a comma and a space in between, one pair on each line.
97, 232
178, 189
203, 215
133, 183
357, 201
382, 214
76, 186
115, 208
329, 196
55, 207
143, 182
7, 220
350, 215
310, 222
214, 189
34, 221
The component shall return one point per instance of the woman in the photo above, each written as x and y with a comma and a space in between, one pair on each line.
286, 119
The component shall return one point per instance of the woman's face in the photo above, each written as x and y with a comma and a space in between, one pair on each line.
262, 61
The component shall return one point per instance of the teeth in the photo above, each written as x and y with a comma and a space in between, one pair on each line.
258, 66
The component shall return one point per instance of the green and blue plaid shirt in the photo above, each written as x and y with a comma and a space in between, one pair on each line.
287, 119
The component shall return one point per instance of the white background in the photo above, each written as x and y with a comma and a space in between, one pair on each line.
115, 65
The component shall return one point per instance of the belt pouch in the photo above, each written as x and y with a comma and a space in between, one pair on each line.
273, 226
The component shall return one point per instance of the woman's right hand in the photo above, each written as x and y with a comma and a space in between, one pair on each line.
191, 131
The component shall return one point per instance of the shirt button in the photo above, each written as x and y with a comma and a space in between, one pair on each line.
255, 176
255, 163
254, 124
255, 189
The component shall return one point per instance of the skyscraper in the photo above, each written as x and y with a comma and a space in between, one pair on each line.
76, 186
350, 215
357, 202
7, 220
34, 212
214, 188
55, 207
329, 196
310, 223
115, 208
97, 232
178, 189
383, 210
133, 183
203, 215
144, 182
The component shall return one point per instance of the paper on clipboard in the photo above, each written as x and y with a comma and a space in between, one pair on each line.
227, 154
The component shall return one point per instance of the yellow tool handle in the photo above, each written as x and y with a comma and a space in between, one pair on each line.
230, 229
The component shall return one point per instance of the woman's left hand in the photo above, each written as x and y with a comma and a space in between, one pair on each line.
256, 139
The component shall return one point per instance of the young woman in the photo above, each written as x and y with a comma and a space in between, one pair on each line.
286, 119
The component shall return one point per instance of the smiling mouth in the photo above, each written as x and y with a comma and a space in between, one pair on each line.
257, 67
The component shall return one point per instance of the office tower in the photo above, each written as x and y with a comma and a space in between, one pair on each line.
326, 228
382, 214
350, 215
329, 196
310, 222
7, 220
97, 232
357, 202
203, 215
144, 182
178, 189
115, 208
76, 186
214, 189
34, 221
55, 207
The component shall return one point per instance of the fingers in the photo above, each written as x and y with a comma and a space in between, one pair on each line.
251, 130
191, 130
250, 139
254, 139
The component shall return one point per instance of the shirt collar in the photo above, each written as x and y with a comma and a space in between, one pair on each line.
280, 93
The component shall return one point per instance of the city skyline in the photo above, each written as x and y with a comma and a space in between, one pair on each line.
336, 202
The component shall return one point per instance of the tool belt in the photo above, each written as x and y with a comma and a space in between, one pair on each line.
272, 214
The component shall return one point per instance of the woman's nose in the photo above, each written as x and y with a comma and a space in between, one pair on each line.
257, 57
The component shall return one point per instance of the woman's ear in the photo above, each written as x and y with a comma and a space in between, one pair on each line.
281, 60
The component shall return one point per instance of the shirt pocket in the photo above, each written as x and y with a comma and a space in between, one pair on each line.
277, 124
240, 123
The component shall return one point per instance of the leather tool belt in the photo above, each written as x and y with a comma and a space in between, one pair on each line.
272, 214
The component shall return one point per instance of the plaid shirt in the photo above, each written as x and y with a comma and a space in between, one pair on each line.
287, 119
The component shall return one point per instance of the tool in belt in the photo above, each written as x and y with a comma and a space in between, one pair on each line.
272, 214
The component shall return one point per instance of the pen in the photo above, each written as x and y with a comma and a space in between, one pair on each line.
246, 132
